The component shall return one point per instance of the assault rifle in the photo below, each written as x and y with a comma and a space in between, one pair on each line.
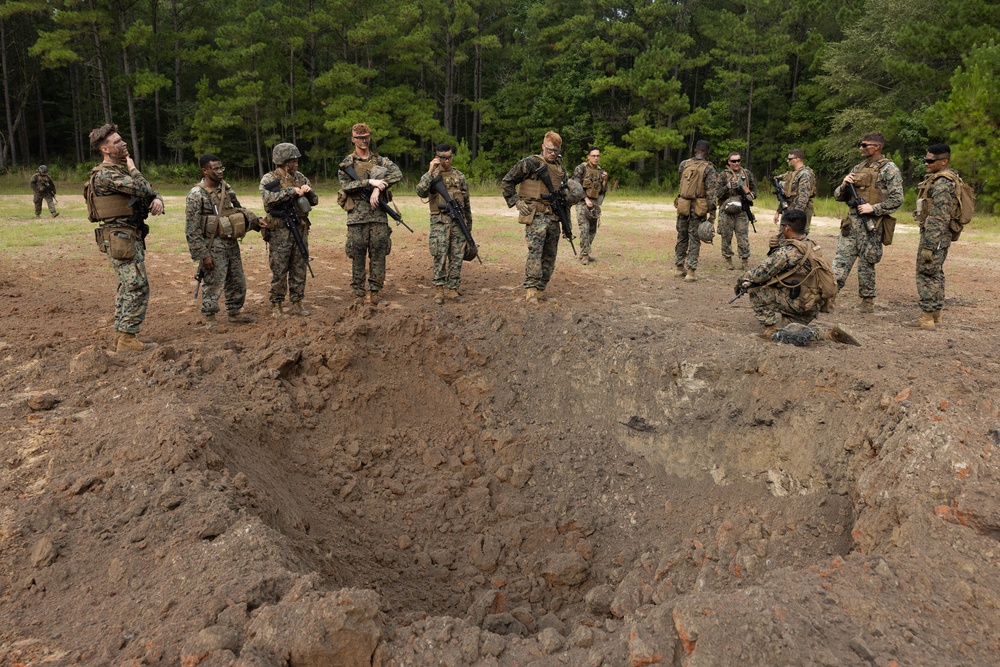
779, 192
557, 200
456, 212
382, 204
741, 290
854, 202
198, 277
745, 200
289, 214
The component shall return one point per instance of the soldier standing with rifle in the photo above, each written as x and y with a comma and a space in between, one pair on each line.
736, 188
44, 188
120, 198
798, 187
447, 240
365, 178
542, 200
280, 189
588, 212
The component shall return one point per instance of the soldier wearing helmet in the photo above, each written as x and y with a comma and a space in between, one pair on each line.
44, 188
288, 266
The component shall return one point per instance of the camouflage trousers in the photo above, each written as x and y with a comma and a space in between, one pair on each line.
859, 246
930, 281
769, 303
49, 201
227, 275
133, 291
588, 220
542, 235
688, 244
371, 241
447, 246
288, 266
740, 224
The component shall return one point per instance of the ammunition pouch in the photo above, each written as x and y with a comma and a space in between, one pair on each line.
845, 226
232, 226
887, 226
696, 207
536, 207
345, 201
117, 242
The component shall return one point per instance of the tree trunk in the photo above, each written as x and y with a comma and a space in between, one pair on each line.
6, 99
179, 114
74, 96
291, 90
102, 76
43, 149
449, 75
134, 151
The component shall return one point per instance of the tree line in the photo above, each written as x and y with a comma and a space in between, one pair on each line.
642, 79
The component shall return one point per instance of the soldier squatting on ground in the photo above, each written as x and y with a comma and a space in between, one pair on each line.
44, 188
215, 222
446, 240
588, 212
119, 197
287, 260
368, 233
736, 188
695, 205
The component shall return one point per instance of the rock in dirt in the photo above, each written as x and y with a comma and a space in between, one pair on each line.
317, 629
566, 569
91, 362
599, 600
44, 553
42, 401
211, 640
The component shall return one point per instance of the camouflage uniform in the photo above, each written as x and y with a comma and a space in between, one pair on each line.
856, 243
729, 185
771, 301
799, 187
288, 266
595, 184
542, 227
446, 241
133, 284
368, 233
203, 241
44, 188
688, 242
935, 239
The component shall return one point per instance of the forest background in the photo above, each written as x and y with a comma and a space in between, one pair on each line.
641, 79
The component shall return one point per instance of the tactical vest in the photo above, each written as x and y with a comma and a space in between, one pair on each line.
453, 184
532, 188
791, 184
228, 222
866, 181
104, 208
963, 205
693, 179
593, 181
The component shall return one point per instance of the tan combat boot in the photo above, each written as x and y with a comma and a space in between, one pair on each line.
585, 259
745, 263
531, 295
129, 343
679, 271
237, 317
439, 295
277, 312
867, 305
691, 277
768, 332
936, 314
841, 335
729, 264
210, 322
451, 295
925, 321
55, 214
374, 298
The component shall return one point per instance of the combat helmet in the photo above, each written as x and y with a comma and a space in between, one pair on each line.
43, 169
284, 152
706, 231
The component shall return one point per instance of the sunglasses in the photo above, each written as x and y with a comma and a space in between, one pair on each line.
366, 137
866, 145
736, 160
932, 160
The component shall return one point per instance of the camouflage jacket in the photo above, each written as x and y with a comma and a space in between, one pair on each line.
424, 191
783, 258
197, 207
286, 193
728, 183
42, 183
111, 179
383, 169
524, 169
889, 183
935, 232
800, 187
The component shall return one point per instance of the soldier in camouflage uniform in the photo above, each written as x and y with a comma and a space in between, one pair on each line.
446, 241
588, 212
730, 184
368, 233
542, 226
215, 223
695, 204
115, 194
878, 181
288, 266
799, 186
937, 198
768, 284
44, 188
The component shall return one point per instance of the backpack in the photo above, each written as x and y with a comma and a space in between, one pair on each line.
817, 286
692, 184
965, 204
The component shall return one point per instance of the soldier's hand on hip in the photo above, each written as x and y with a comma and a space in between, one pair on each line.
523, 207
156, 208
